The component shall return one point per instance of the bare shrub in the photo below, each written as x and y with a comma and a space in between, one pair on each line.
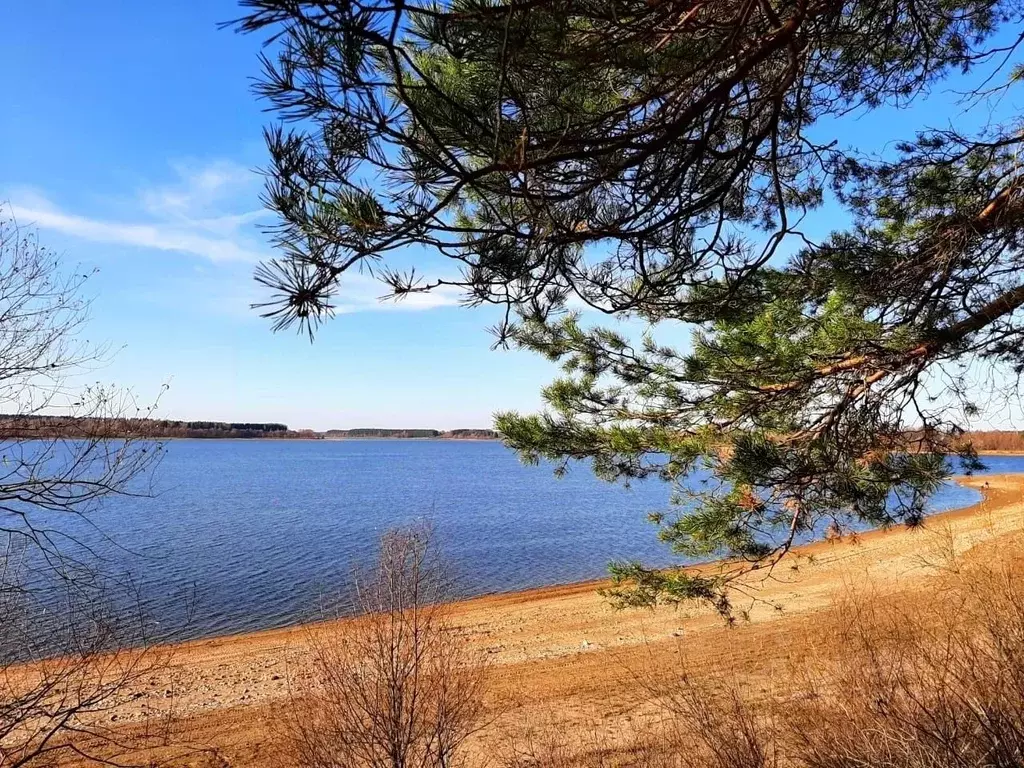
644, 746
396, 687
713, 727
941, 684
66, 664
934, 680
71, 642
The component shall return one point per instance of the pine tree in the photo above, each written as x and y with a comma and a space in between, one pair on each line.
653, 159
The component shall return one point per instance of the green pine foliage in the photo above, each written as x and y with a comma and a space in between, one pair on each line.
654, 160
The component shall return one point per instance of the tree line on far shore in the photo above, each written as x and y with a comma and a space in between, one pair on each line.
412, 434
998, 440
43, 426
27, 426
39, 425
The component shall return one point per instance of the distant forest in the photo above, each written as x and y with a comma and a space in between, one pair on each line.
998, 440
41, 426
65, 426
15, 426
420, 434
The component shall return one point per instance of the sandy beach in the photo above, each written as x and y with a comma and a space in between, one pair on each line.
562, 655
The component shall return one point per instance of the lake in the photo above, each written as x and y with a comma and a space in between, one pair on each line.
246, 535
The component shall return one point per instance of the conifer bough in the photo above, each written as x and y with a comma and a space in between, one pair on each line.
656, 159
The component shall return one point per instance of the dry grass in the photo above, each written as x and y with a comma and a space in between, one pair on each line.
940, 683
928, 682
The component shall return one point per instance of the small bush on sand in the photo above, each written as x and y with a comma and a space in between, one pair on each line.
398, 687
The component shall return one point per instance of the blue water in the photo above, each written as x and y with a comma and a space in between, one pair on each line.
246, 535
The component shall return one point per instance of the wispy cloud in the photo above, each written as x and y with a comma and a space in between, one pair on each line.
139, 235
197, 214
205, 211
216, 198
358, 292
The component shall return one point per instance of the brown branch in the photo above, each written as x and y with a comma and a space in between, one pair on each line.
879, 365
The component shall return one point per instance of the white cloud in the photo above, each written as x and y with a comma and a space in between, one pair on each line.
154, 236
228, 291
200, 188
205, 211
358, 292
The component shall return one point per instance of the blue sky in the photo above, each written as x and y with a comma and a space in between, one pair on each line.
129, 139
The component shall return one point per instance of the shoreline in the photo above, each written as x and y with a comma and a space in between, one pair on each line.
561, 656
557, 590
